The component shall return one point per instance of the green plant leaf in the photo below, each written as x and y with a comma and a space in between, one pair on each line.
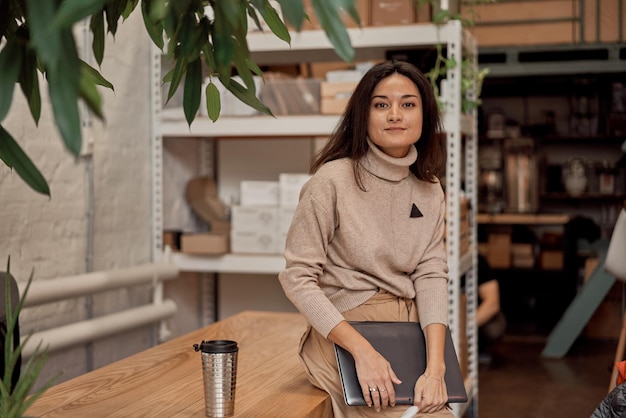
158, 9
213, 101
255, 17
274, 22
153, 26
350, 7
14, 157
222, 44
441, 16
15, 400
94, 75
73, 11
177, 74
130, 6
29, 83
254, 67
63, 86
231, 11
10, 63
209, 58
246, 96
186, 37
193, 89
243, 70
293, 13
89, 93
46, 41
96, 25
328, 15
113, 11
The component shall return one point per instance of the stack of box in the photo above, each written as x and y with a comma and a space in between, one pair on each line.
254, 221
336, 90
499, 249
289, 185
259, 224
551, 255
375, 13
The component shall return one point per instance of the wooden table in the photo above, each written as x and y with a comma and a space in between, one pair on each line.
166, 380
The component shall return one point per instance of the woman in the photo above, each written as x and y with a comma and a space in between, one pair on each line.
366, 241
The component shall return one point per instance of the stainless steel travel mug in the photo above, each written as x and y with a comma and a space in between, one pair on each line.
219, 370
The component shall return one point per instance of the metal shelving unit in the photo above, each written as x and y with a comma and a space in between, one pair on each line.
369, 43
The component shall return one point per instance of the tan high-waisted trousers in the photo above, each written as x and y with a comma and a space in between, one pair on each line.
318, 356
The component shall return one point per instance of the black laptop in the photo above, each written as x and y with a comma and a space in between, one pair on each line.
404, 346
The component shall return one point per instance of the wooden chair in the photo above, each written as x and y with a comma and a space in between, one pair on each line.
15, 297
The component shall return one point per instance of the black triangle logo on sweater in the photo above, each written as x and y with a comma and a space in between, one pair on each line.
415, 212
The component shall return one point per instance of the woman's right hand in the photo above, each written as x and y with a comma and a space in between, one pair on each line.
376, 377
373, 370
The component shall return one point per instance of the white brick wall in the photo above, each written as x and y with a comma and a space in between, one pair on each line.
50, 235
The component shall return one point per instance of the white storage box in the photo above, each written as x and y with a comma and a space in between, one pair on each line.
289, 186
254, 242
254, 219
258, 193
285, 216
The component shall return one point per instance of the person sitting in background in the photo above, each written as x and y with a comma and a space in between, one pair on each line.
490, 320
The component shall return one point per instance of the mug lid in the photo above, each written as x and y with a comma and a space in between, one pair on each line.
217, 346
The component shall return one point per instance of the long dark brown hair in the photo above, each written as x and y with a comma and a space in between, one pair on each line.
349, 139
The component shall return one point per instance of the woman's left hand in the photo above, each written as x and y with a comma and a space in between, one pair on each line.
430, 393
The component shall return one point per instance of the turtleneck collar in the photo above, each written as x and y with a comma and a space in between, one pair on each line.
385, 166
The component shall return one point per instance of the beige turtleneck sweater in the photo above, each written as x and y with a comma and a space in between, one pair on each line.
345, 243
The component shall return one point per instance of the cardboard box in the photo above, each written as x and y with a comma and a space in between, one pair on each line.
258, 193
171, 239
335, 97
319, 69
313, 23
291, 96
499, 250
204, 243
392, 12
551, 260
602, 21
554, 22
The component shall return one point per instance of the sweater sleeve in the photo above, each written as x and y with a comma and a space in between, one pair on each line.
430, 277
312, 228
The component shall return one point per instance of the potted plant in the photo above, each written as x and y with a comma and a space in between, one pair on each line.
16, 385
